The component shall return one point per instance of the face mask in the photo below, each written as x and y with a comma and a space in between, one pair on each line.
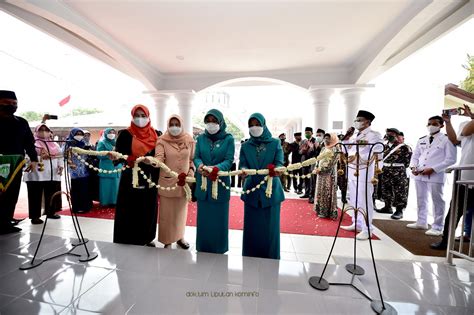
212, 128
174, 131
256, 131
43, 134
111, 136
359, 125
141, 121
319, 139
8, 109
78, 138
307, 136
282, 139
390, 138
432, 129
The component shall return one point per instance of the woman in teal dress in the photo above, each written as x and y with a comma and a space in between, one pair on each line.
214, 148
261, 214
108, 183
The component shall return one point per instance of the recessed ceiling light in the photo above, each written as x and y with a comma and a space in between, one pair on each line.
179, 57
320, 48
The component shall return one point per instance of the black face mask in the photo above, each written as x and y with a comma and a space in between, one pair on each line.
8, 109
282, 139
390, 138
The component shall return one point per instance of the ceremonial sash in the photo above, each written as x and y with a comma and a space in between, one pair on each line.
393, 151
10, 165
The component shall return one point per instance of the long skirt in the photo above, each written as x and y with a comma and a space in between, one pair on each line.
262, 232
325, 203
172, 222
136, 213
212, 234
108, 190
80, 197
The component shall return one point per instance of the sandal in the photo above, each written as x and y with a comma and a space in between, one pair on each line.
183, 244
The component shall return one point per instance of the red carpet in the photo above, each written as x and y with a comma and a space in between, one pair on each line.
297, 217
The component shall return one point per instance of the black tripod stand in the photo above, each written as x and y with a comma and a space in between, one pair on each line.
35, 262
319, 283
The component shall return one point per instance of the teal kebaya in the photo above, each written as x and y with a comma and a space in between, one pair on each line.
213, 149
261, 214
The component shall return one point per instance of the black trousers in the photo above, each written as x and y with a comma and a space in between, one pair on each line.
470, 204
36, 191
80, 196
8, 200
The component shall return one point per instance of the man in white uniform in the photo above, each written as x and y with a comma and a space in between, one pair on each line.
360, 185
432, 155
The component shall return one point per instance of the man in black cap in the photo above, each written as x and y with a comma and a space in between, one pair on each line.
318, 146
286, 154
360, 175
16, 140
296, 158
307, 148
396, 159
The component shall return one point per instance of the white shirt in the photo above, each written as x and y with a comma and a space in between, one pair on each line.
467, 152
438, 155
45, 175
370, 136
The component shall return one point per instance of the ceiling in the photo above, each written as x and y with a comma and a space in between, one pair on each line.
194, 44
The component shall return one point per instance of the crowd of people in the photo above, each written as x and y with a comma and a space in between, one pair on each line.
361, 163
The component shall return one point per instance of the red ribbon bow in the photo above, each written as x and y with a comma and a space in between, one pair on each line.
213, 175
182, 179
271, 170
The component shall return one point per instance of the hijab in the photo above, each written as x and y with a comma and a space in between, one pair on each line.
144, 139
73, 142
51, 147
179, 142
266, 136
221, 134
109, 144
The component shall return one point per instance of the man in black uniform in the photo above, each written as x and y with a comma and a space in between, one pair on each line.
285, 180
296, 158
307, 152
16, 139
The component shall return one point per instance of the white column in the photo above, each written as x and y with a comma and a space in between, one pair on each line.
321, 99
185, 103
161, 102
299, 125
351, 98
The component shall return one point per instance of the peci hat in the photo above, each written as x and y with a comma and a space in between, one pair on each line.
297, 134
7, 94
308, 129
393, 130
320, 131
365, 114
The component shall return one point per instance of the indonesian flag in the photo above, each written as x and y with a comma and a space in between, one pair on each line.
65, 100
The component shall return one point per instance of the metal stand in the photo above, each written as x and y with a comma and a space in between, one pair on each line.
319, 283
80, 241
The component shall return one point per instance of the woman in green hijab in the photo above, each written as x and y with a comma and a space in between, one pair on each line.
261, 214
214, 148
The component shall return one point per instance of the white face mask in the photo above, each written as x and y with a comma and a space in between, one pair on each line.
358, 125
141, 121
432, 129
78, 138
256, 131
319, 139
44, 134
111, 136
175, 130
212, 128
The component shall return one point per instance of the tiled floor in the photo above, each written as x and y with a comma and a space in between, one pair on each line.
143, 280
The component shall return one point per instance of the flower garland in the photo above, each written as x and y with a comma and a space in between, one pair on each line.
77, 153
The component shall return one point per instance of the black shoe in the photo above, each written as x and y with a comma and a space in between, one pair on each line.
9, 229
311, 200
441, 245
397, 215
304, 196
299, 192
286, 190
54, 216
385, 209
36, 221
